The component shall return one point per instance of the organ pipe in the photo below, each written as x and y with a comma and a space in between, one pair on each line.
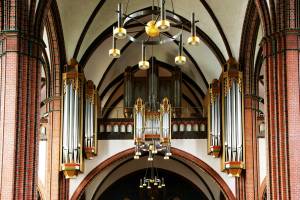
165, 125
90, 123
233, 133
128, 92
214, 117
72, 119
139, 122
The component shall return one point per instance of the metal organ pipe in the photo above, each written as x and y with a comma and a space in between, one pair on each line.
239, 122
219, 121
75, 127
66, 124
233, 133
213, 123
86, 126
92, 123
71, 124
229, 134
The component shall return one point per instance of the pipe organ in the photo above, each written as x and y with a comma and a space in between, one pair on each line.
152, 129
232, 114
90, 121
72, 120
215, 120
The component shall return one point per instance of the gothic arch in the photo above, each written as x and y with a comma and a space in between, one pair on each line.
176, 152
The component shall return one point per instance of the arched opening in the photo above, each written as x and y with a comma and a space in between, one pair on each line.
183, 164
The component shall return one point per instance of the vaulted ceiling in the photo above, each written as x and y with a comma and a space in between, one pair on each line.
87, 29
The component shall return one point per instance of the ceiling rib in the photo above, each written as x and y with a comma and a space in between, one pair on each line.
176, 42
107, 33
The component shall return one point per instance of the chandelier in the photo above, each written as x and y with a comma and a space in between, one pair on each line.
156, 28
151, 179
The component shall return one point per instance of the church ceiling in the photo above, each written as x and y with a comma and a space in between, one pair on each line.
87, 34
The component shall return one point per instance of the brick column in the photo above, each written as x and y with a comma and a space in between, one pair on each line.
19, 102
283, 114
53, 132
251, 182
19, 122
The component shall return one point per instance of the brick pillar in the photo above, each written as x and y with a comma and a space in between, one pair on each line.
19, 102
282, 53
53, 130
247, 185
19, 122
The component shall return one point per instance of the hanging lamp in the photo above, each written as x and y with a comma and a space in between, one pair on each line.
193, 40
180, 59
120, 32
144, 64
163, 24
114, 52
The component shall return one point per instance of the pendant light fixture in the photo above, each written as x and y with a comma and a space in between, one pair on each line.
180, 59
152, 180
144, 64
114, 52
193, 40
163, 24
120, 32
155, 30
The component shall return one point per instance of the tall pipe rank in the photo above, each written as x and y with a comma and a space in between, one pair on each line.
72, 120
233, 119
215, 119
90, 122
165, 126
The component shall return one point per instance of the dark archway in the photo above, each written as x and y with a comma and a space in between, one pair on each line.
176, 187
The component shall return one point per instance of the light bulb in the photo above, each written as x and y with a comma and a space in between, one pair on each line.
163, 25
151, 29
180, 60
193, 40
120, 33
168, 154
148, 187
136, 157
163, 182
115, 53
141, 183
